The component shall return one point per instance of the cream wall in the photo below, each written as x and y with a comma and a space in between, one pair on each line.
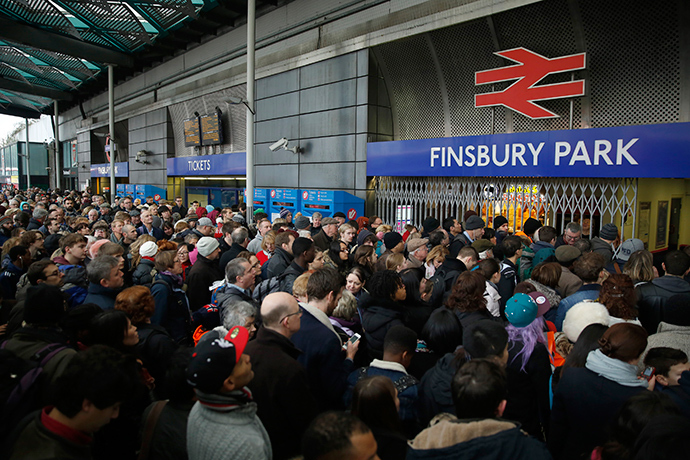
655, 190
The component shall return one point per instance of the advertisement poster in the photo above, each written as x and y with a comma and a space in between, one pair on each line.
661, 222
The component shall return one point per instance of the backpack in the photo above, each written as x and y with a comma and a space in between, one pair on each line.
269, 286
443, 284
19, 383
176, 308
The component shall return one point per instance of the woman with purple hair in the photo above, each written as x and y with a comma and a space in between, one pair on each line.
529, 365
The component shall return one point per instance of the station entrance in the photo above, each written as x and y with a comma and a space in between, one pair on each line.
555, 201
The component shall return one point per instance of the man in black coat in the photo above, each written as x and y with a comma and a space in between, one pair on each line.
280, 387
240, 240
203, 273
652, 297
282, 257
322, 357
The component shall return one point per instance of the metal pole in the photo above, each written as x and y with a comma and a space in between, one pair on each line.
111, 127
58, 165
28, 174
251, 45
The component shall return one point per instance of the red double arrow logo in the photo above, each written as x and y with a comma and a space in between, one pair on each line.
531, 69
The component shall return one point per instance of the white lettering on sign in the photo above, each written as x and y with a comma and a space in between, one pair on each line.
199, 165
590, 153
623, 152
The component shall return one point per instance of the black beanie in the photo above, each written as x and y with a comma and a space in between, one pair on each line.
392, 239
530, 226
498, 221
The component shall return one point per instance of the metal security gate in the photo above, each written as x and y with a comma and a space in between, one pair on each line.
554, 201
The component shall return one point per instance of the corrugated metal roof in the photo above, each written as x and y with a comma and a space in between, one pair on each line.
60, 49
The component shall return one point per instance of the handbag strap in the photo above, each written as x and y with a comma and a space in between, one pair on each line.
151, 422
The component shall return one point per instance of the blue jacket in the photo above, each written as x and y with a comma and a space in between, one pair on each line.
157, 233
9, 279
407, 386
586, 292
324, 360
101, 296
679, 393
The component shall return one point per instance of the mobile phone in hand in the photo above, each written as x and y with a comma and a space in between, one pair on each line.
354, 339
648, 373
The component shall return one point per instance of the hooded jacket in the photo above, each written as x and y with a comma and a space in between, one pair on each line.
277, 264
652, 298
488, 439
144, 273
602, 247
434, 390
378, 316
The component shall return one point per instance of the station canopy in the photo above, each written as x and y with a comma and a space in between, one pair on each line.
61, 49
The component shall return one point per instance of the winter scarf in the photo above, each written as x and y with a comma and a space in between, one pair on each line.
614, 369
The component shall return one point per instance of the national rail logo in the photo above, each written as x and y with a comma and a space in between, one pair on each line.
531, 68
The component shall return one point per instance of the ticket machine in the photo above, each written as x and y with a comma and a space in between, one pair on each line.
142, 191
328, 202
282, 198
260, 198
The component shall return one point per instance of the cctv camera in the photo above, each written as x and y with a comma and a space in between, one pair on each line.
281, 144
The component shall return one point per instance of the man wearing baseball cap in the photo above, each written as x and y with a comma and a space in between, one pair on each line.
223, 422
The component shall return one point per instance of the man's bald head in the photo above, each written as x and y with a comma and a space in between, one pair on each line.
277, 306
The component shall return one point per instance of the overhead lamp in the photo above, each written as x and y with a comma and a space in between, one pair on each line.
236, 100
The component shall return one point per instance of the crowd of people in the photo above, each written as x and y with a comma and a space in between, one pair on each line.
172, 330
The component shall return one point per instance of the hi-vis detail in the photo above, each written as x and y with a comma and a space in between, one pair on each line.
531, 69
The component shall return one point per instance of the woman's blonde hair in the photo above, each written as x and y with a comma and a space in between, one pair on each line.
347, 306
437, 252
134, 248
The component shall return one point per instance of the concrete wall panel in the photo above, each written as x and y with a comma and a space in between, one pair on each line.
328, 149
332, 70
277, 84
283, 176
330, 123
335, 176
272, 130
280, 106
327, 97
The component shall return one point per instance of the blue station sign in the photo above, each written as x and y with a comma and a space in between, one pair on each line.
226, 164
624, 151
103, 170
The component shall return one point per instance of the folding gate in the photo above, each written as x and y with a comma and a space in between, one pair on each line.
554, 201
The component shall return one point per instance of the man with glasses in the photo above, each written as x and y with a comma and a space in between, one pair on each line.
571, 235
280, 387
